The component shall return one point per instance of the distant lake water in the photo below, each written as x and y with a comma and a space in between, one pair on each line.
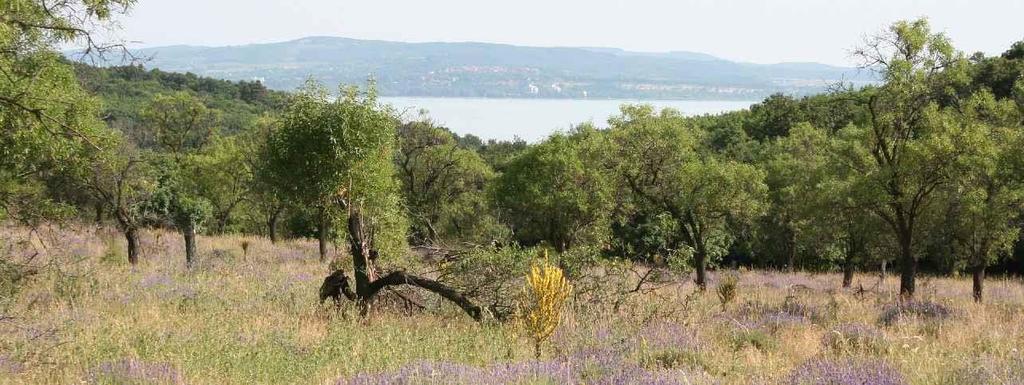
534, 119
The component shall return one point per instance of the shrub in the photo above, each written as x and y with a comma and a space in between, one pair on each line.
727, 289
546, 294
756, 338
925, 310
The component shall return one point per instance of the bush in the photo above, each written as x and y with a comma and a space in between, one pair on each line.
924, 310
727, 289
546, 293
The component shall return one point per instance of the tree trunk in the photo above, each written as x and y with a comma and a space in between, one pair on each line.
848, 266
908, 268
700, 259
189, 232
99, 213
848, 272
979, 282
131, 235
360, 257
322, 235
272, 225
791, 252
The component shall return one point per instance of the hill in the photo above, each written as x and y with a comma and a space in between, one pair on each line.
498, 70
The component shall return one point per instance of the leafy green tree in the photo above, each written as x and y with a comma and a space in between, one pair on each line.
337, 154
660, 162
444, 185
177, 123
795, 167
46, 120
909, 148
124, 180
266, 198
987, 199
558, 191
178, 201
222, 174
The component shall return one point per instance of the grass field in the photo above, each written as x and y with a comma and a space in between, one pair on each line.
252, 316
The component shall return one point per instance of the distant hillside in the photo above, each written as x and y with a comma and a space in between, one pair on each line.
126, 90
497, 70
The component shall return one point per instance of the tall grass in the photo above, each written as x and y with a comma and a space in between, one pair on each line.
87, 316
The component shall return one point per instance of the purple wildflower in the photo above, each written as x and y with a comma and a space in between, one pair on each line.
135, 371
845, 372
922, 309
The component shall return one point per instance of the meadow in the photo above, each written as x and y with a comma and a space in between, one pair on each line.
249, 313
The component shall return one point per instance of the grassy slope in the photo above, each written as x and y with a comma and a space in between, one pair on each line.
254, 319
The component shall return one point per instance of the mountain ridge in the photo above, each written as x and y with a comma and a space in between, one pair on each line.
474, 69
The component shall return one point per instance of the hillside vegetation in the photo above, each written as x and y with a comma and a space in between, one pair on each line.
170, 228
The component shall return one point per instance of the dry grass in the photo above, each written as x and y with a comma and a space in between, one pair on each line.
88, 317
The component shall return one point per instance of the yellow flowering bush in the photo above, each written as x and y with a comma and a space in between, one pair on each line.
546, 293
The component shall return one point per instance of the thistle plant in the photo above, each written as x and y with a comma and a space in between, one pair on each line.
727, 289
546, 293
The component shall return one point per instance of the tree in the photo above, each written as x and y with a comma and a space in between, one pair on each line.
266, 198
123, 179
177, 123
558, 191
337, 154
659, 161
177, 200
444, 185
988, 196
795, 167
46, 119
223, 176
908, 148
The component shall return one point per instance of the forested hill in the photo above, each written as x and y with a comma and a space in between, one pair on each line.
127, 90
496, 70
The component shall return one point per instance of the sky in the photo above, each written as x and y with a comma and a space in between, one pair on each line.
757, 31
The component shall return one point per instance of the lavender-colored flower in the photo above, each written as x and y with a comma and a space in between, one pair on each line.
135, 371
155, 280
669, 336
845, 372
593, 366
10, 365
926, 310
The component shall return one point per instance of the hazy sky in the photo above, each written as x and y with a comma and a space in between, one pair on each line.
748, 30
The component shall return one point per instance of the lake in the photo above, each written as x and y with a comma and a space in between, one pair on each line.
533, 119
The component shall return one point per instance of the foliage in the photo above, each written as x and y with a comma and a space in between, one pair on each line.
444, 186
332, 152
557, 192
659, 162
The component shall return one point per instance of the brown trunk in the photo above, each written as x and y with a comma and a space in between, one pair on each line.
322, 235
99, 213
132, 236
700, 259
272, 225
189, 232
847, 273
360, 257
791, 253
908, 268
979, 282
848, 265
